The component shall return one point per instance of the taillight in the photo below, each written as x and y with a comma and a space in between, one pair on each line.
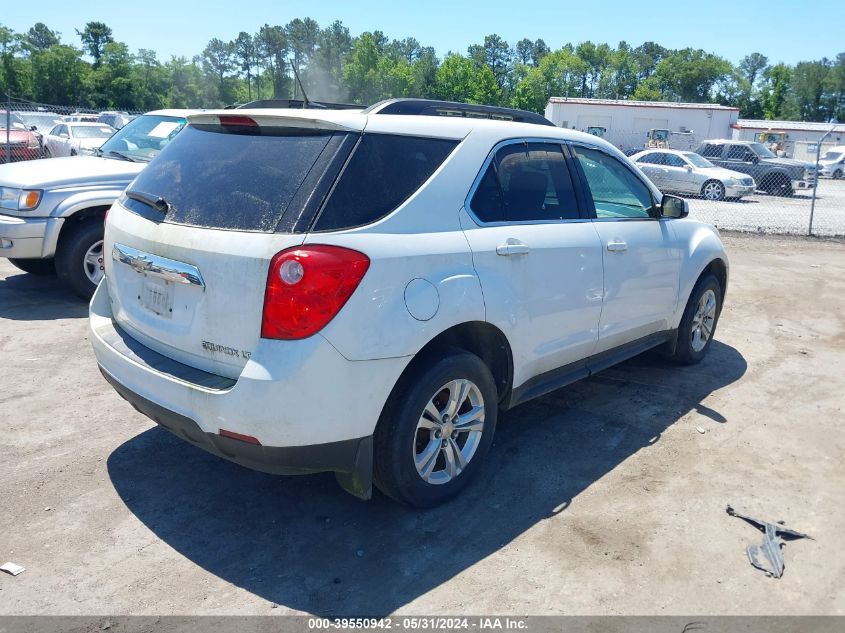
307, 286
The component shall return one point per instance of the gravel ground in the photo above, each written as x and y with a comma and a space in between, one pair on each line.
601, 498
773, 214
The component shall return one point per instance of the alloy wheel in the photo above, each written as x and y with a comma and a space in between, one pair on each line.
449, 431
703, 321
713, 191
92, 263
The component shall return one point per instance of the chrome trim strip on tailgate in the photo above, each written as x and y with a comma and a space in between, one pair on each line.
167, 269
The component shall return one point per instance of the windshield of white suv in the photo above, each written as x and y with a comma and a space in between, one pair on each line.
832, 156
143, 138
698, 161
761, 150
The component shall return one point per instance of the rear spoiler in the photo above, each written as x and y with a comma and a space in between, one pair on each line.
308, 119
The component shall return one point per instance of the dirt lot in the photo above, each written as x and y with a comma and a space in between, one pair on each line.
602, 498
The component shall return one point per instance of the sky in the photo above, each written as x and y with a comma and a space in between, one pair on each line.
784, 30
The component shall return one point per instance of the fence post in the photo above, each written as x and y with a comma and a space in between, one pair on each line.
8, 127
816, 176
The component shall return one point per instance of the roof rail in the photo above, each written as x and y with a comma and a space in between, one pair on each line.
296, 103
430, 107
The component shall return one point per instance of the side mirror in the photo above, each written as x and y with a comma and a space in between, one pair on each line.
755, 160
32, 128
673, 207
689, 168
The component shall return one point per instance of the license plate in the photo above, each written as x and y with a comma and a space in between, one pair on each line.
157, 297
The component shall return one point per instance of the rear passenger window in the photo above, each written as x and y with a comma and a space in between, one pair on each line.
738, 152
713, 151
674, 161
652, 159
383, 172
526, 182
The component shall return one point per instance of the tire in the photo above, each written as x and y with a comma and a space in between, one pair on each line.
713, 190
778, 185
77, 259
41, 267
837, 174
73, 152
47, 152
405, 434
689, 349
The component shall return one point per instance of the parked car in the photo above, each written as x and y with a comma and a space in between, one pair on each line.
832, 164
22, 142
360, 292
115, 119
51, 211
73, 139
687, 172
776, 176
80, 117
39, 122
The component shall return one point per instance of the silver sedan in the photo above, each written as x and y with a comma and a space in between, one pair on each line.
688, 172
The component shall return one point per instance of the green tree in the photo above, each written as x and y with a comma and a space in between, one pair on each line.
272, 44
811, 94
690, 75
39, 38
775, 92
459, 78
59, 76
325, 73
185, 87
243, 49
217, 61
95, 36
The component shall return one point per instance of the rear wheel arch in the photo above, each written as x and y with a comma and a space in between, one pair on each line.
481, 338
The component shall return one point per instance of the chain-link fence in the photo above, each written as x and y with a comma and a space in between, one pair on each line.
738, 185
745, 185
31, 130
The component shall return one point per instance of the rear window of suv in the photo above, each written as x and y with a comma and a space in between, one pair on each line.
270, 179
217, 177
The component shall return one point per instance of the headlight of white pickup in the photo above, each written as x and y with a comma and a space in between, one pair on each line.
19, 199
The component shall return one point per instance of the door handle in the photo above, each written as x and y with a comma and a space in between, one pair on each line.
512, 248
617, 246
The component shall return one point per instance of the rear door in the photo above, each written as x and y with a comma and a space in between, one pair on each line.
641, 255
189, 247
653, 165
538, 258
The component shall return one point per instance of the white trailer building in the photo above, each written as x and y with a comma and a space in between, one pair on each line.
628, 122
799, 138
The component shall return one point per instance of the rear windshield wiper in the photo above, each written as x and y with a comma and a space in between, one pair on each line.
156, 202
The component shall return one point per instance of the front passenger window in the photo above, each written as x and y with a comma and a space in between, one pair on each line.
616, 191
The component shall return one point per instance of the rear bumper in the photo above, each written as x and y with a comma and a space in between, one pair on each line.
19, 153
311, 409
22, 238
339, 456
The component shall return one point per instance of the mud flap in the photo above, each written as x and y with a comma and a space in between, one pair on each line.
359, 482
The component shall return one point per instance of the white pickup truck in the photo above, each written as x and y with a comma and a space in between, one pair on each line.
52, 210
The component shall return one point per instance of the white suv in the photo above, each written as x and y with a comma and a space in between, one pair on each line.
361, 292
